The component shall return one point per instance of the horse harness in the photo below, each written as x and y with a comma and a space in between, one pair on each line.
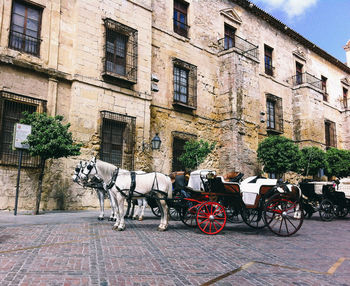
132, 191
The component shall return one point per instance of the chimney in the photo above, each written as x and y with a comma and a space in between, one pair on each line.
347, 50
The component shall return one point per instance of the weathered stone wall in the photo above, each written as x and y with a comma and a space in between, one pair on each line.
231, 88
68, 74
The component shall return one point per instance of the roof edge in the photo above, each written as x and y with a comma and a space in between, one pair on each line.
253, 8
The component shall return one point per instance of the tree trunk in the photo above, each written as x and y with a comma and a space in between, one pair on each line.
40, 187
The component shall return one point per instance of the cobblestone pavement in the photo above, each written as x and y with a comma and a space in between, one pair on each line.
74, 248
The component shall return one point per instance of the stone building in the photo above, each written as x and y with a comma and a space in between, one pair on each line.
121, 71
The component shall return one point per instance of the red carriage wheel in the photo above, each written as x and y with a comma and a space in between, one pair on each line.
211, 217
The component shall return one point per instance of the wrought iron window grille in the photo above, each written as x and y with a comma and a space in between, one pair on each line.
244, 46
25, 28
120, 59
274, 114
11, 107
118, 139
185, 84
181, 28
330, 134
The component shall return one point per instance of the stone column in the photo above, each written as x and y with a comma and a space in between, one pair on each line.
347, 50
52, 97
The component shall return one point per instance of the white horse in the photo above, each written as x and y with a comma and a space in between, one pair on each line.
120, 183
140, 204
100, 189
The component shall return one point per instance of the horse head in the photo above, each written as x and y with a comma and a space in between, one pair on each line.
89, 170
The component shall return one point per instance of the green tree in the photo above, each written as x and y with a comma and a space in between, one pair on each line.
279, 155
312, 160
338, 163
195, 153
49, 139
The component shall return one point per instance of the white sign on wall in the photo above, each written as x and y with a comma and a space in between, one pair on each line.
21, 132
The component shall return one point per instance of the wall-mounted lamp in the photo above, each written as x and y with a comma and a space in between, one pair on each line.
156, 142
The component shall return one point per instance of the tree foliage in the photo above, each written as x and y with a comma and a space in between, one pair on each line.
312, 160
49, 137
195, 153
338, 163
279, 155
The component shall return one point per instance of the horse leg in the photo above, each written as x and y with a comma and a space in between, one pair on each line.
102, 203
120, 225
136, 213
127, 214
164, 215
113, 216
143, 205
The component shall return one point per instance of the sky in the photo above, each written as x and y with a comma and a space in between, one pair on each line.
325, 23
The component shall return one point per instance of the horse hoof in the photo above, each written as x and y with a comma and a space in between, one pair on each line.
100, 218
121, 229
114, 227
110, 219
140, 218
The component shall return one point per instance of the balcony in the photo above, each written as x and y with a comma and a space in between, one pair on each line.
181, 28
24, 43
306, 78
245, 47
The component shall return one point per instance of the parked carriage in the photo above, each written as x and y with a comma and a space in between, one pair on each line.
327, 201
259, 202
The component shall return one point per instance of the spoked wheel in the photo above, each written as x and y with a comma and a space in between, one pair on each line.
175, 214
188, 214
326, 210
254, 218
283, 216
156, 211
233, 215
211, 217
341, 211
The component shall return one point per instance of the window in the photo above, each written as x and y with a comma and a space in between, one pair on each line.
274, 113
299, 73
25, 28
271, 114
117, 139
121, 51
268, 60
324, 88
11, 108
185, 84
179, 141
180, 85
229, 37
178, 150
330, 134
345, 97
180, 18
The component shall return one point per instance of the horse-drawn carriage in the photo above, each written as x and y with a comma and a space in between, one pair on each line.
324, 198
259, 202
208, 202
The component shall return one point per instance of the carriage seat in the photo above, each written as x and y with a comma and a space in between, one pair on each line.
233, 177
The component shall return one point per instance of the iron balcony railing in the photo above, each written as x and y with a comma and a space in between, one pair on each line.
308, 79
243, 45
24, 43
181, 28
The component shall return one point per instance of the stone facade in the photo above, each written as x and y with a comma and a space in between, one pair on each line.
229, 97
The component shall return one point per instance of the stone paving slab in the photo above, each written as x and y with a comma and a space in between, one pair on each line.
73, 248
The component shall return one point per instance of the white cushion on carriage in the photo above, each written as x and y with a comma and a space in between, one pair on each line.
249, 198
254, 187
195, 181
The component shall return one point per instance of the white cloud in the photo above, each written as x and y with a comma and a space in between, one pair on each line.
292, 8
